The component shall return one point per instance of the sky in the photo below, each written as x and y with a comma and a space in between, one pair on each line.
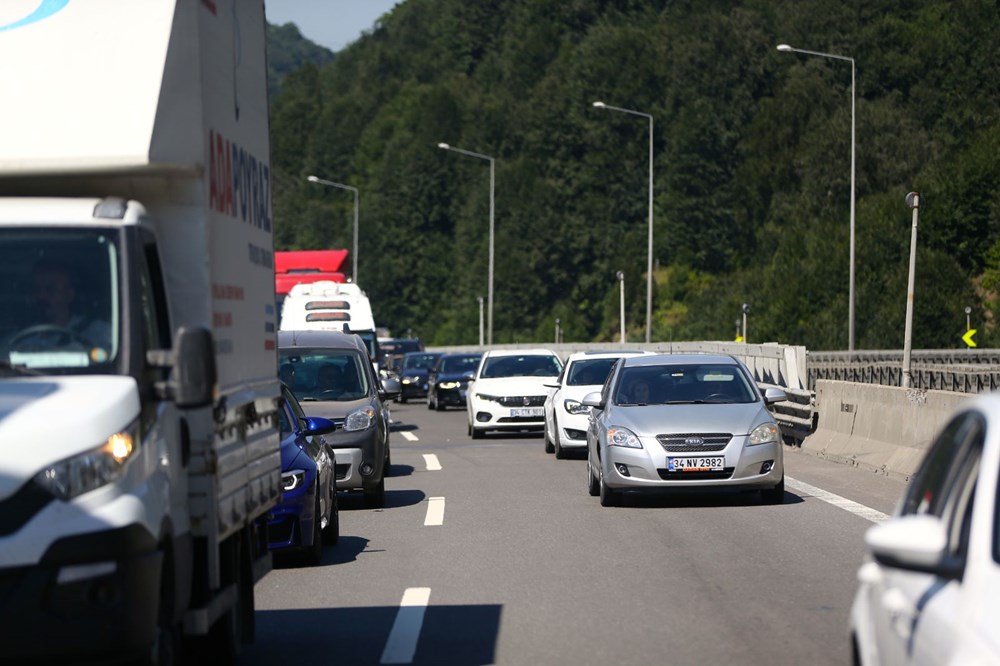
330, 23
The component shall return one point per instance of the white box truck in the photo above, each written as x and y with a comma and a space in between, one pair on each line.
139, 451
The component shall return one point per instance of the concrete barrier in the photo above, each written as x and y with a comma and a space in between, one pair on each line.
885, 429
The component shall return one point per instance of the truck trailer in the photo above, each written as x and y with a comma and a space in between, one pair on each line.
139, 448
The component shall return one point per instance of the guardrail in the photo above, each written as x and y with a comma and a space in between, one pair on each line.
961, 370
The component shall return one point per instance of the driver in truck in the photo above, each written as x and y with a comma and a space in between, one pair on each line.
59, 321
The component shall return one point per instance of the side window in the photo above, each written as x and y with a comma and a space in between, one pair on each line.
156, 324
284, 419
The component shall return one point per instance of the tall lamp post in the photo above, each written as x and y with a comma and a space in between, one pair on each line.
649, 249
621, 303
913, 203
480, 299
330, 183
489, 293
785, 48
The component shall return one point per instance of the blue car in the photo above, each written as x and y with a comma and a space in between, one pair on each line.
413, 374
306, 517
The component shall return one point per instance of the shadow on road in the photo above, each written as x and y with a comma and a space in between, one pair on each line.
393, 499
699, 498
463, 635
400, 470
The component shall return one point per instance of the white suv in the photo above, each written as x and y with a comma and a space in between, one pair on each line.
508, 391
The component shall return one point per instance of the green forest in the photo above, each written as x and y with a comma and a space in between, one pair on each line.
751, 169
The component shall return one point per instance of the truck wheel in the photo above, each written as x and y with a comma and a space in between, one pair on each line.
167, 645
375, 496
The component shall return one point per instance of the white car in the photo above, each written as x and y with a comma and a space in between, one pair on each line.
565, 415
508, 391
931, 595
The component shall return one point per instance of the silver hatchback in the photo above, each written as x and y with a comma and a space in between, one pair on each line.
683, 421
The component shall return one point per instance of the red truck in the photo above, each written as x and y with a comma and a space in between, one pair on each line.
305, 266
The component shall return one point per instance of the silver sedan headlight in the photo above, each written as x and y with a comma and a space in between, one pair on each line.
575, 407
765, 433
92, 469
359, 419
623, 437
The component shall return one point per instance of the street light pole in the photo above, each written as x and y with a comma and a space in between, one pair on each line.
649, 244
621, 304
489, 308
785, 48
480, 299
330, 183
913, 202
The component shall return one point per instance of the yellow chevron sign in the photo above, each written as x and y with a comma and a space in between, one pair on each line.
967, 338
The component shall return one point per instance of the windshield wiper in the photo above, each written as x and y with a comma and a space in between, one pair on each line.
22, 370
688, 402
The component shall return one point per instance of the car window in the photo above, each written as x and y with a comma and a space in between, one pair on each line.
528, 365
682, 384
419, 361
328, 374
941, 470
588, 372
459, 364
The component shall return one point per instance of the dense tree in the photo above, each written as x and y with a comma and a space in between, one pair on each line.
751, 166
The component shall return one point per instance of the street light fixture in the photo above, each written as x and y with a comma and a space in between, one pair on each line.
785, 48
330, 183
489, 307
649, 249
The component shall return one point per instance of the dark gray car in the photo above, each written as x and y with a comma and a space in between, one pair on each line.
333, 377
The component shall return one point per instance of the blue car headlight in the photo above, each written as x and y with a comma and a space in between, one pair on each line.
359, 419
92, 469
293, 479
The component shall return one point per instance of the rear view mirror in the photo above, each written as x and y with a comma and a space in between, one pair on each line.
913, 543
192, 361
593, 399
390, 389
773, 395
317, 425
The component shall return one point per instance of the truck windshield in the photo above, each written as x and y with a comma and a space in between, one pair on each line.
59, 299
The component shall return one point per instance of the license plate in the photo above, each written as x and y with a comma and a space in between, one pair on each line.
706, 464
527, 411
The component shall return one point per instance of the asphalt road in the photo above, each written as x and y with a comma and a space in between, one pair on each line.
501, 557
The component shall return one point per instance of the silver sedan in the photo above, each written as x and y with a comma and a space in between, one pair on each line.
683, 421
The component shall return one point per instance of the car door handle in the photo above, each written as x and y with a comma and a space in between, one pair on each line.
901, 611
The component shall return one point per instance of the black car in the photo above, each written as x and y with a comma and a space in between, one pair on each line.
333, 377
413, 373
393, 350
448, 380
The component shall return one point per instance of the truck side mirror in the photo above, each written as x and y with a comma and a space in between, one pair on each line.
192, 360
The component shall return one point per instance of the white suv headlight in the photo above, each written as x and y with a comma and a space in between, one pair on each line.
359, 419
764, 434
575, 407
92, 469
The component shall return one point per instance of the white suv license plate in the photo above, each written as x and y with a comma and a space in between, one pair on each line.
527, 411
707, 464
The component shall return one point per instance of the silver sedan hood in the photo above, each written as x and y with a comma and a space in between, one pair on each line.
652, 420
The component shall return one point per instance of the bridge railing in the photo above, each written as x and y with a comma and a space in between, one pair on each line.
962, 370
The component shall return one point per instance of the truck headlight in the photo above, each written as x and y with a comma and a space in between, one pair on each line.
359, 419
92, 469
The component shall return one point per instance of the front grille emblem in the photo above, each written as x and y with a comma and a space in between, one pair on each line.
526, 400
694, 441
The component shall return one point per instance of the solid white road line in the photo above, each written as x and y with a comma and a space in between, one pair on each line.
432, 462
408, 436
402, 642
847, 505
435, 511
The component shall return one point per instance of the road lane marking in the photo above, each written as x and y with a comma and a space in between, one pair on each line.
432, 462
836, 500
435, 511
408, 436
402, 642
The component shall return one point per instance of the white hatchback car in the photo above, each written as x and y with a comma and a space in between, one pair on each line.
932, 593
508, 391
565, 415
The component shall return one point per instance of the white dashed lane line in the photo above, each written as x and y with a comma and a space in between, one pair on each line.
409, 436
402, 642
836, 500
435, 511
432, 462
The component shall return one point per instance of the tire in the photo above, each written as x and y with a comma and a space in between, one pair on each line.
332, 532
167, 646
476, 434
548, 442
437, 404
313, 555
593, 486
774, 495
430, 403
609, 496
375, 496
402, 400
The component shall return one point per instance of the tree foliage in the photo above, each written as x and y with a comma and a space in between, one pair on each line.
751, 167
